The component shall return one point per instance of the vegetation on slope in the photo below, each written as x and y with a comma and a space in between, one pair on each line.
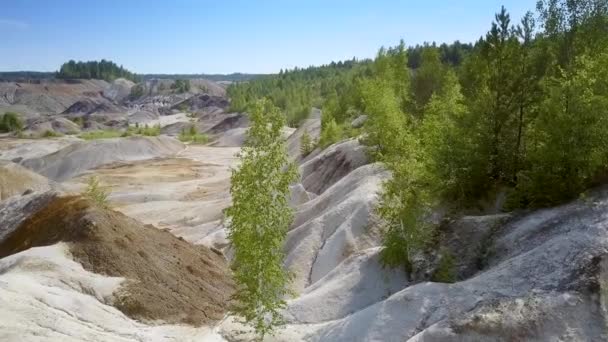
523, 110
10, 122
259, 219
191, 135
102, 70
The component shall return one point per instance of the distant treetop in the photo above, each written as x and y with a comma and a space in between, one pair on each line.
101, 70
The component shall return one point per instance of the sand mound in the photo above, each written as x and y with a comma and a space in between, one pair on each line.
89, 106
15, 180
16, 150
143, 117
167, 278
47, 96
231, 138
118, 90
53, 124
327, 167
230, 121
80, 157
202, 101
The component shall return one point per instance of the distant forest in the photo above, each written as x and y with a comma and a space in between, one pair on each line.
234, 77
102, 70
26, 76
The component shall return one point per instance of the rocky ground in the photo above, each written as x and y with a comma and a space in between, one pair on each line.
153, 266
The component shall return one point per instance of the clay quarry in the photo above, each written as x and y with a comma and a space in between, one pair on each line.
154, 264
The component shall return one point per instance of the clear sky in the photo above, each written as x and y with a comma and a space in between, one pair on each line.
224, 36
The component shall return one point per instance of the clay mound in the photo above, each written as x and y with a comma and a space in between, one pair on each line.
230, 121
53, 124
231, 138
167, 278
202, 101
47, 96
80, 157
143, 117
89, 106
119, 89
327, 167
15, 180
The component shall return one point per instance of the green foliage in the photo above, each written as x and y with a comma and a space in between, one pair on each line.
51, 134
428, 78
446, 269
570, 143
96, 192
192, 136
78, 121
331, 133
522, 109
306, 144
94, 135
259, 219
10, 122
181, 86
102, 70
456, 159
296, 91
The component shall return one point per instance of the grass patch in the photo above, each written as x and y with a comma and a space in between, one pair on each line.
51, 134
94, 135
192, 136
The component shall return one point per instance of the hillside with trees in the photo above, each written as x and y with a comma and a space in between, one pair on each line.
102, 70
521, 113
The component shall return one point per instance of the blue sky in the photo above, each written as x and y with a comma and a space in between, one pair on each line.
198, 36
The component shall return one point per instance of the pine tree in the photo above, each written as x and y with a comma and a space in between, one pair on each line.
306, 144
259, 219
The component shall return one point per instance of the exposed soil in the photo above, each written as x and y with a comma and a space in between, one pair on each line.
168, 279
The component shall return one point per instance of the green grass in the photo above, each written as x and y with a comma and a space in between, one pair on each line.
192, 136
51, 134
130, 131
94, 135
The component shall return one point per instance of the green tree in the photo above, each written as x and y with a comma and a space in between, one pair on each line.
455, 157
259, 219
427, 79
96, 192
306, 144
11, 122
568, 148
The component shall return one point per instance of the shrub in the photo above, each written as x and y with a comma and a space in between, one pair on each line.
446, 269
306, 144
149, 131
331, 133
192, 136
96, 192
51, 134
10, 122
78, 120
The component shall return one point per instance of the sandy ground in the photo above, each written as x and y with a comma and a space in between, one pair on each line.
184, 194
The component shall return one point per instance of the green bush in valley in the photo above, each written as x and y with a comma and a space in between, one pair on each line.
107, 134
259, 219
10, 122
306, 144
446, 268
96, 192
51, 134
191, 135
